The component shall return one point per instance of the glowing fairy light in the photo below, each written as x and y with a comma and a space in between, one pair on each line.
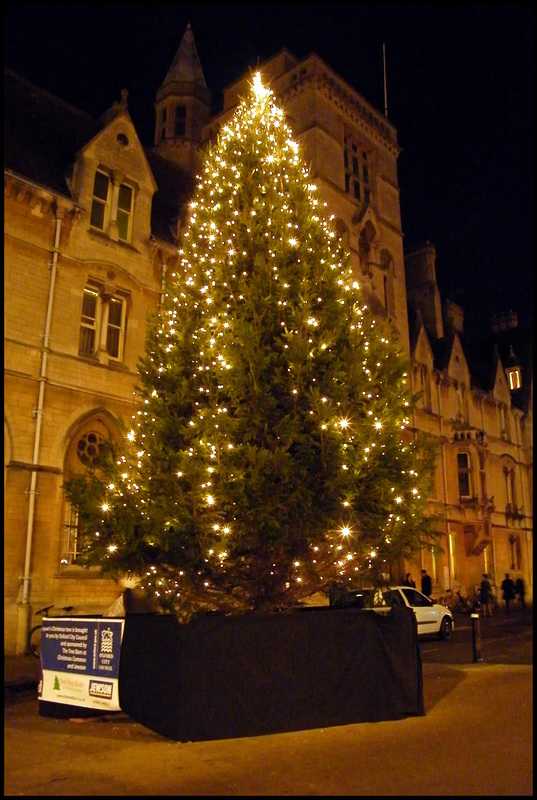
266, 253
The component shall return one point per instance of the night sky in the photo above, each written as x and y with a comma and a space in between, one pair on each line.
459, 92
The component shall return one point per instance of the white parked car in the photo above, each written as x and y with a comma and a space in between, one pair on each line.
430, 616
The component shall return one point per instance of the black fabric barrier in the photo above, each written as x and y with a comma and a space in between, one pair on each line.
223, 677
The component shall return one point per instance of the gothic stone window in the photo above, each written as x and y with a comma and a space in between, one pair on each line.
357, 170
464, 474
163, 119
180, 121
102, 323
86, 450
387, 266
510, 486
423, 385
515, 551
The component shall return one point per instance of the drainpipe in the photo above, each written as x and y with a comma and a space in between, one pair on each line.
413, 423
522, 475
24, 606
444, 478
489, 521
413, 388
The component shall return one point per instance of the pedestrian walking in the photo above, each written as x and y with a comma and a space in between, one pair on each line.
520, 591
408, 581
486, 596
508, 592
426, 583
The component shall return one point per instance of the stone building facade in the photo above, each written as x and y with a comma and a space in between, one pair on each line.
93, 222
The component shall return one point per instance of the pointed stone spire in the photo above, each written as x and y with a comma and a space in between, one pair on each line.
186, 66
182, 107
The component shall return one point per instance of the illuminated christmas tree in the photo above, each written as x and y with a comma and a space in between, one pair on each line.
270, 454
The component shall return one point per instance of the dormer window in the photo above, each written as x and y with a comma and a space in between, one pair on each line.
124, 212
111, 206
515, 378
100, 205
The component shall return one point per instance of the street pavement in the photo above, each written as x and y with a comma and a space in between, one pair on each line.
476, 739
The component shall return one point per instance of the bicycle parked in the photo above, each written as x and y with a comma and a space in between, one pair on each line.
34, 637
459, 604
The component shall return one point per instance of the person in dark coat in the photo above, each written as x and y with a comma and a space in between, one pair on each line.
426, 583
408, 581
520, 591
508, 592
486, 596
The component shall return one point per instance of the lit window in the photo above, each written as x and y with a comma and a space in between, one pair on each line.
463, 473
102, 324
515, 378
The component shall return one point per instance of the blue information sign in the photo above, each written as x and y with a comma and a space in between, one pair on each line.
80, 661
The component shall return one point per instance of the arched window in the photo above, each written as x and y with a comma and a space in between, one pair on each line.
342, 232
365, 245
180, 121
356, 161
510, 486
515, 551
423, 385
388, 293
504, 421
86, 448
462, 403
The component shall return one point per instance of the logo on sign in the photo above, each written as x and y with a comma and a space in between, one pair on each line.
107, 641
101, 689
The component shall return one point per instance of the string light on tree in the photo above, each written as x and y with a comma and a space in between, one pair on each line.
269, 454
